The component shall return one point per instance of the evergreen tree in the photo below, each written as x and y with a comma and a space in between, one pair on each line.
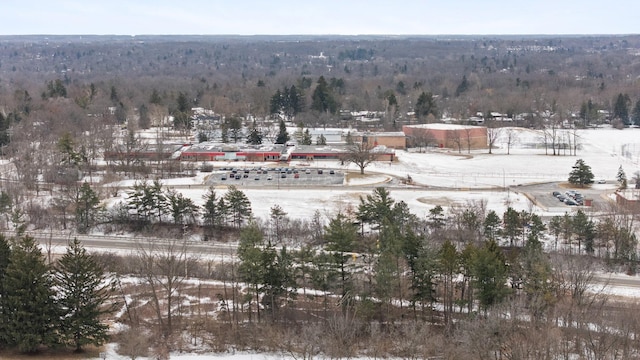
83, 291
436, 218
635, 114
585, 230
422, 264
449, 265
182, 209
278, 278
463, 86
251, 262
621, 177
155, 98
322, 99
214, 209
537, 278
144, 120
87, 208
621, 108
238, 204
581, 174
255, 135
5, 255
306, 138
512, 222
234, 127
492, 226
340, 237
321, 140
376, 208
283, 135
426, 105
490, 273
32, 314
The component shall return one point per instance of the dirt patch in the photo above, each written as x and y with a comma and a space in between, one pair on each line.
442, 201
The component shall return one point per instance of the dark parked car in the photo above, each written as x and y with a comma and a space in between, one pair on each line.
561, 198
331, 172
556, 193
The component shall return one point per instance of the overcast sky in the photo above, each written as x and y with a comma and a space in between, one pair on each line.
340, 17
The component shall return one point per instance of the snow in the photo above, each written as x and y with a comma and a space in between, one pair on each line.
442, 176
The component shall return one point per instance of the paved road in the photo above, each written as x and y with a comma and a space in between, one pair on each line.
58, 241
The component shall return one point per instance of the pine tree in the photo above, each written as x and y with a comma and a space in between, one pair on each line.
340, 237
83, 290
283, 135
490, 273
250, 255
214, 209
87, 208
306, 138
322, 99
255, 135
491, 226
581, 174
5, 254
635, 114
238, 204
32, 314
622, 178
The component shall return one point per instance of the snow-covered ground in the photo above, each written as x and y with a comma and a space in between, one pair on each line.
444, 176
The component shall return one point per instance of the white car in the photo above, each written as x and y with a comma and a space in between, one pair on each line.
602, 181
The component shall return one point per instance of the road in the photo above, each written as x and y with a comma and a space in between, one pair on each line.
57, 242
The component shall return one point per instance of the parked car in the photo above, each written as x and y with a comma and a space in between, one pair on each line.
283, 175
562, 198
331, 172
570, 202
224, 177
238, 177
308, 171
269, 177
257, 178
602, 181
319, 171
296, 175
556, 193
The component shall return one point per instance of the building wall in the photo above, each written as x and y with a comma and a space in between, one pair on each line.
390, 141
449, 137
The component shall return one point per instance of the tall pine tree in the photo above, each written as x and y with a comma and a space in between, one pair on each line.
31, 313
83, 293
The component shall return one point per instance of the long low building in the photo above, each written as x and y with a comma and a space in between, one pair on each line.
216, 152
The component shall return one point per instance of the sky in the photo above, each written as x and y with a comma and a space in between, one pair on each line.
327, 17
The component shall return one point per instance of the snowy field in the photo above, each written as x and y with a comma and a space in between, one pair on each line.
443, 177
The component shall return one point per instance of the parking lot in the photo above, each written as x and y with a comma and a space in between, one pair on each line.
275, 177
543, 195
